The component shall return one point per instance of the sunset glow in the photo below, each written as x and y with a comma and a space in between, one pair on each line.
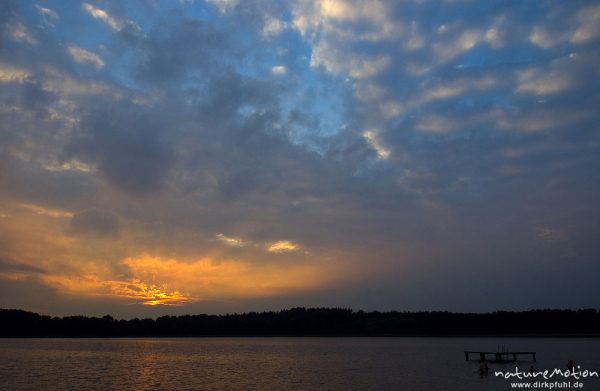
159, 281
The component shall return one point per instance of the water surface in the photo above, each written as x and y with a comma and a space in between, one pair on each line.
274, 363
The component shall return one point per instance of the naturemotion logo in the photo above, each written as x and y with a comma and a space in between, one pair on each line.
576, 373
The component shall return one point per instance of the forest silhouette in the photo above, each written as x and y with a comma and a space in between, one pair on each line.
309, 322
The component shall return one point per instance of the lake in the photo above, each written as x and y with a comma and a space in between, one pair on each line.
276, 363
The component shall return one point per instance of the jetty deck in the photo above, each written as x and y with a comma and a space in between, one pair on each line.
498, 356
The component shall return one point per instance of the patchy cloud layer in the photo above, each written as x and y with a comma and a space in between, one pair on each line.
239, 155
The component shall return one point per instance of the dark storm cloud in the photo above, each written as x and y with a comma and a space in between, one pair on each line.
95, 222
25, 291
228, 91
11, 267
28, 95
32, 183
29, 293
178, 47
127, 143
132, 144
236, 184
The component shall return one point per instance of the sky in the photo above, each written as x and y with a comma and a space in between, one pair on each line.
218, 156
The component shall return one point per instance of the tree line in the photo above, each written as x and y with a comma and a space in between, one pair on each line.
307, 322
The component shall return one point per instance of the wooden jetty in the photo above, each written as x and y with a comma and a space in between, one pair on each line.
498, 356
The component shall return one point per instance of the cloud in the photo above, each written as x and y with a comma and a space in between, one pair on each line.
339, 17
536, 82
179, 47
72, 165
12, 74
550, 235
437, 124
542, 118
449, 49
331, 25
338, 61
63, 83
47, 12
542, 38
98, 13
27, 293
283, 246
371, 137
588, 30
47, 211
560, 75
95, 222
13, 271
31, 184
451, 87
20, 33
279, 70
231, 241
272, 27
124, 142
130, 290
578, 26
224, 5
160, 281
83, 56
48, 15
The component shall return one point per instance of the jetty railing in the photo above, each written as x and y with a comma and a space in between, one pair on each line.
498, 356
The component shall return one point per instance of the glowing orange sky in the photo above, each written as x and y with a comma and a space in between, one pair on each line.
84, 266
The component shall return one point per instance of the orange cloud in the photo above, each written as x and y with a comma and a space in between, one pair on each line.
160, 281
208, 278
133, 290
231, 241
283, 246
